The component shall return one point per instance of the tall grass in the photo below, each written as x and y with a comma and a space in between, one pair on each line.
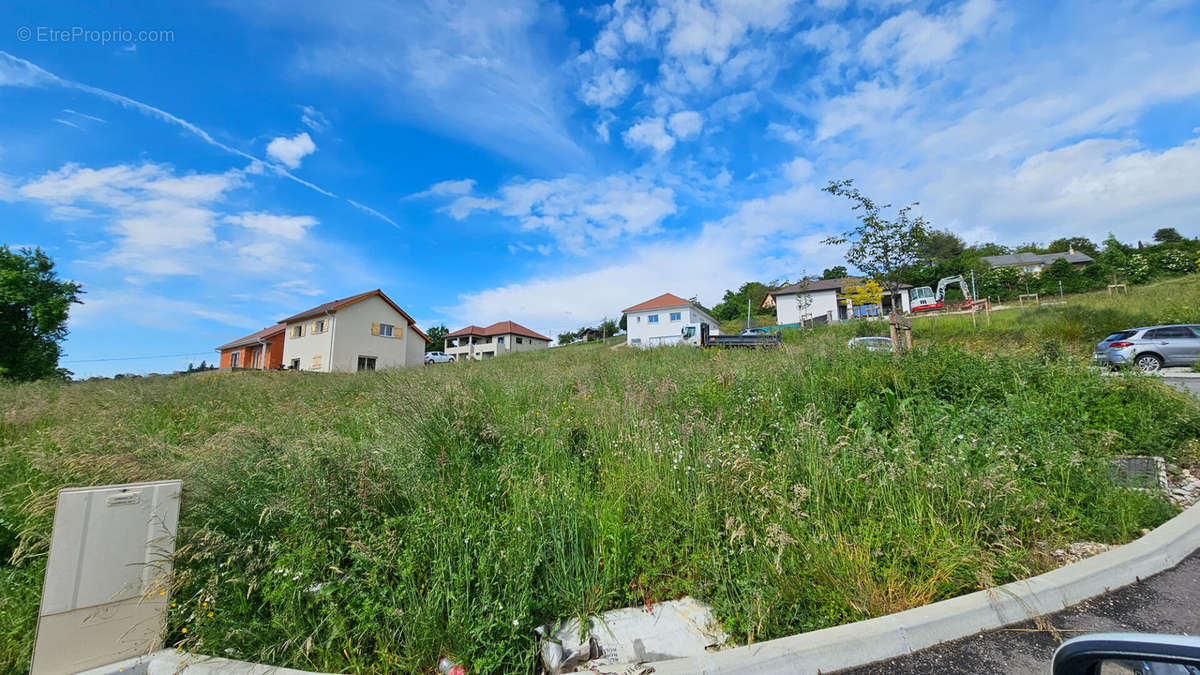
375, 522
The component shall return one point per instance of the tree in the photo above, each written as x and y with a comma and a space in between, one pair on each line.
880, 247
837, 272
437, 338
624, 322
733, 304
939, 245
566, 338
1164, 235
869, 293
33, 314
1081, 244
607, 328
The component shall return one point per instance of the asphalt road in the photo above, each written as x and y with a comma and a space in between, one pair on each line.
1188, 384
1168, 602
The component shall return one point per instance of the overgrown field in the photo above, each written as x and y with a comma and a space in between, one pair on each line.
375, 522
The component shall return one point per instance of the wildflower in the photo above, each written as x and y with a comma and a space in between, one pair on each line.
516, 622
210, 614
183, 630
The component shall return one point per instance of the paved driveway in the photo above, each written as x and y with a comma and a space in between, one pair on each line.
1188, 384
1168, 602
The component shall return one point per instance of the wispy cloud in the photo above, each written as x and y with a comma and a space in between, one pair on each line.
475, 70
16, 71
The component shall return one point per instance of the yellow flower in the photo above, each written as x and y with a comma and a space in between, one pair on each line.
183, 630
210, 613
204, 604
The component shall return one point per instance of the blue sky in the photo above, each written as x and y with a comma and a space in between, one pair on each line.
553, 163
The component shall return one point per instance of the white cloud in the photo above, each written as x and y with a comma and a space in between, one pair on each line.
477, 70
914, 40
447, 188
290, 151
578, 213
19, 72
686, 124
313, 119
649, 133
286, 227
608, 88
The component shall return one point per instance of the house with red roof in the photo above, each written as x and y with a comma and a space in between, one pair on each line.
660, 320
503, 337
260, 350
362, 332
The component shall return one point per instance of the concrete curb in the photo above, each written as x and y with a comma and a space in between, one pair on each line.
887, 637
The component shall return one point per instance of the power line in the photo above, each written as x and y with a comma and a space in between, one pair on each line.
139, 358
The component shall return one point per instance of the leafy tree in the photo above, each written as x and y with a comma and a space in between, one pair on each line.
608, 328
836, 272
1000, 282
1060, 270
566, 338
880, 247
1138, 268
733, 304
437, 338
1165, 235
33, 314
1175, 262
624, 322
938, 245
1081, 244
869, 293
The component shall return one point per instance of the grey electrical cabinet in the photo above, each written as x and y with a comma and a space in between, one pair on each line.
108, 576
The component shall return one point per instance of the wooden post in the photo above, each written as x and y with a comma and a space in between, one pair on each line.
894, 335
908, 338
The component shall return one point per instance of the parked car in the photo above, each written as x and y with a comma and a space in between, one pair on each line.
438, 357
1151, 347
875, 344
755, 331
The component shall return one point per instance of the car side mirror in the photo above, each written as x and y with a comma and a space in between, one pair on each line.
1121, 653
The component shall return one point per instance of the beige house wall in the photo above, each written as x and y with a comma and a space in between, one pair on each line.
348, 335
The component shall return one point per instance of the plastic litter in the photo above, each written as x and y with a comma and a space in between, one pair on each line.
633, 635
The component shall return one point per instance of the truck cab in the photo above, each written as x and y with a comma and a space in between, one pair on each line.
697, 334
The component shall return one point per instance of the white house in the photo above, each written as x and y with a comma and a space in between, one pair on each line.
660, 321
817, 301
362, 332
503, 337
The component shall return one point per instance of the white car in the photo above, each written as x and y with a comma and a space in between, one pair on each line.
438, 357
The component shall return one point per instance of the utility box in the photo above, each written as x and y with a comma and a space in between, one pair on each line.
108, 576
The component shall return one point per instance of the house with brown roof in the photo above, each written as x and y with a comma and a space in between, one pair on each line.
660, 320
503, 337
261, 350
362, 332
820, 301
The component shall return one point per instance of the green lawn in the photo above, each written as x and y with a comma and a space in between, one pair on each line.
375, 522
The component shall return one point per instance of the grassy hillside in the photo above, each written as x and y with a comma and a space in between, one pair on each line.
374, 522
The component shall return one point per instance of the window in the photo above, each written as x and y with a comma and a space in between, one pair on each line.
298, 331
500, 340
1171, 333
639, 319
316, 362
653, 318
319, 326
366, 363
519, 340
295, 364
233, 360
636, 341
386, 330
676, 316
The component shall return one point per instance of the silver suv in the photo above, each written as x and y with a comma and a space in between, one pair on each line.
1151, 347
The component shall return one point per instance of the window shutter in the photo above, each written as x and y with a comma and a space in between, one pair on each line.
398, 330
375, 329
